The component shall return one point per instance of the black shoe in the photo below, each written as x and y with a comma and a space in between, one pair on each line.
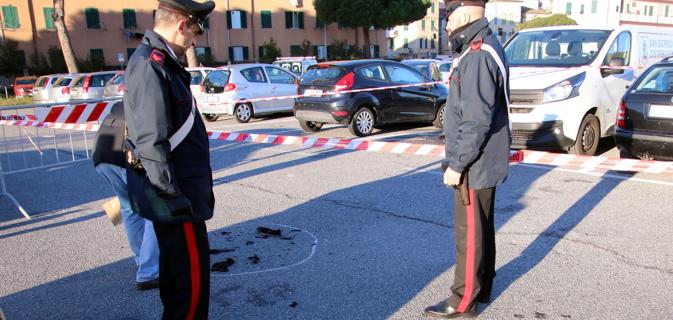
445, 311
484, 298
148, 285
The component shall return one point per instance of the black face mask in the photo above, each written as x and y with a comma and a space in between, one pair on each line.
456, 40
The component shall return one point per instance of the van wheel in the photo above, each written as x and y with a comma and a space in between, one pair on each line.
439, 119
310, 126
210, 117
243, 112
362, 123
588, 137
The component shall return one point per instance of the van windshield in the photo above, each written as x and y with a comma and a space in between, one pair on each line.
555, 48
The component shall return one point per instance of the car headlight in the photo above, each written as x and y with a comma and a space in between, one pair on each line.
565, 89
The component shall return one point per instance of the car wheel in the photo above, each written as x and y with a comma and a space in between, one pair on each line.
362, 123
210, 117
243, 112
439, 119
588, 137
310, 126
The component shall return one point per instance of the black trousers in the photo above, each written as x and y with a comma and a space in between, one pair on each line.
184, 269
475, 249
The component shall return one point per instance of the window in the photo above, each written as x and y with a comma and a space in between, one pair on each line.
10, 16
100, 80
294, 20
266, 19
238, 53
196, 77
651, 10
563, 48
129, 53
658, 80
373, 72
620, 49
423, 25
406, 27
236, 19
279, 76
594, 6
391, 43
92, 18
569, 8
432, 44
432, 25
320, 52
582, 9
129, 19
666, 11
374, 51
433, 8
49, 18
406, 42
400, 74
96, 55
255, 75
296, 51
202, 52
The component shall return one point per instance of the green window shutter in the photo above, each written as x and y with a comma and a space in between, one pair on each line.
432, 44
406, 42
569, 8
594, 6
206, 24
260, 52
231, 53
229, 27
433, 7
244, 22
245, 54
288, 20
295, 51
666, 11
376, 51
10, 16
49, 19
300, 15
266, 19
92, 18
432, 25
97, 55
129, 53
129, 18
406, 27
423, 24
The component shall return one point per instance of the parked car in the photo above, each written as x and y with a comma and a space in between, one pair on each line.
115, 87
91, 85
23, 86
196, 82
428, 67
43, 86
566, 82
644, 127
296, 65
445, 70
363, 111
60, 90
246, 81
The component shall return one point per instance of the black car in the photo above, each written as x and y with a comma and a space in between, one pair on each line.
644, 127
362, 111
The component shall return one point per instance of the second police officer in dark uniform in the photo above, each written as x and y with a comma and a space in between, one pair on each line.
157, 104
476, 127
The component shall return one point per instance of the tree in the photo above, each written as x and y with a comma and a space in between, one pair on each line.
364, 14
553, 20
10, 58
306, 48
63, 37
270, 51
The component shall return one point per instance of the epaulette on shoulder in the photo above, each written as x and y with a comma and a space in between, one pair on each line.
157, 57
476, 44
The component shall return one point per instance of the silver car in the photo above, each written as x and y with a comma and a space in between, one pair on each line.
115, 87
225, 86
91, 85
60, 90
196, 82
42, 87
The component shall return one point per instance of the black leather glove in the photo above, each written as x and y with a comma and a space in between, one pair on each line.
180, 206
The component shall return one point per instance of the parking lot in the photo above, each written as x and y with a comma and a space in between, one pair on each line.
368, 234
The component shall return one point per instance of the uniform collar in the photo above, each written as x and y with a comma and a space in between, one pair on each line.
155, 41
463, 36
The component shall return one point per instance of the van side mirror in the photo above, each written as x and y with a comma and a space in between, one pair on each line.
614, 67
616, 62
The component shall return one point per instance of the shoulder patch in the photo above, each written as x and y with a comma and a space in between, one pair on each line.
476, 44
157, 56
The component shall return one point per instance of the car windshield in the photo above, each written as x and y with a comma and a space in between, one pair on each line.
657, 80
423, 67
321, 73
216, 80
41, 82
292, 66
197, 78
558, 48
100, 80
62, 82
445, 67
79, 82
118, 79
25, 81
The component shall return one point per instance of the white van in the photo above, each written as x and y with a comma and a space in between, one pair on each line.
566, 82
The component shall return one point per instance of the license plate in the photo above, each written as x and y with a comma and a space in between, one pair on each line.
661, 111
213, 99
313, 92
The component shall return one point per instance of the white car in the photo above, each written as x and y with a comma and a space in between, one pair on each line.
196, 83
225, 87
296, 65
60, 90
43, 86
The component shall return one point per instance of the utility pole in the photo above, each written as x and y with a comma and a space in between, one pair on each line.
252, 27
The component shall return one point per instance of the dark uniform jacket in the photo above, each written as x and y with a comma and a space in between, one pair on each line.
476, 121
157, 103
107, 146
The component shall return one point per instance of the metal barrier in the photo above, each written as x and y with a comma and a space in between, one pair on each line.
29, 142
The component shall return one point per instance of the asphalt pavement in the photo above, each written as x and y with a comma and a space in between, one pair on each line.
364, 235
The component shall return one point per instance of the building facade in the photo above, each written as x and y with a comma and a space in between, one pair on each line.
419, 39
503, 16
236, 30
655, 13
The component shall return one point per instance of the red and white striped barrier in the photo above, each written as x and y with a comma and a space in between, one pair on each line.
592, 163
75, 113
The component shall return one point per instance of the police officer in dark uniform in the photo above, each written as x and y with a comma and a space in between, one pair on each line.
157, 104
476, 127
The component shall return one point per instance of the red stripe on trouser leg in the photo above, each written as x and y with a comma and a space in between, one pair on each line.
194, 267
469, 256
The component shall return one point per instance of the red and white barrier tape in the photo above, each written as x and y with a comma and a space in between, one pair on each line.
76, 113
527, 156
